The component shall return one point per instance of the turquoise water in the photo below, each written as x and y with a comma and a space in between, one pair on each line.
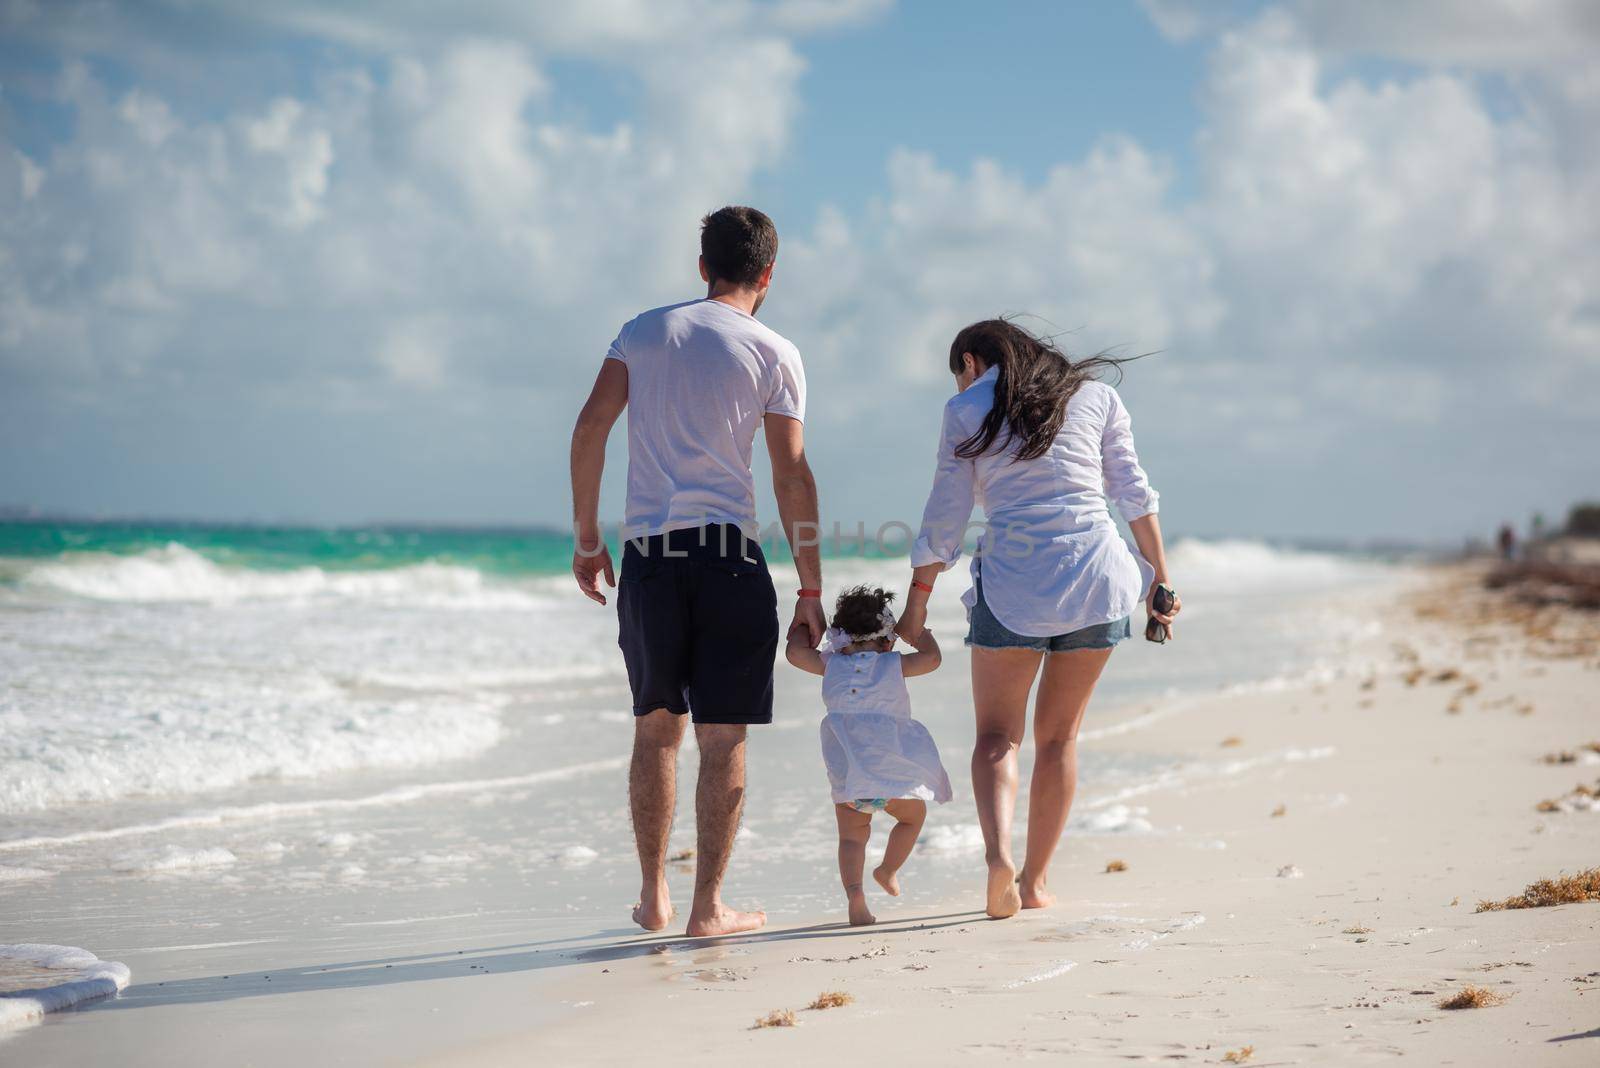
507, 552
528, 551
371, 733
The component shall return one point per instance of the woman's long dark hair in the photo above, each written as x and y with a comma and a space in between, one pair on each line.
1031, 392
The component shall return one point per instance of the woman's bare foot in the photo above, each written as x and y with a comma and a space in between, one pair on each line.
1002, 893
1033, 893
654, 910
860, 915
721, 920
890, 881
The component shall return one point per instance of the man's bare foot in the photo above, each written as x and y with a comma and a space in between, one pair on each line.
889, 880
1002, 892
860, 915
1033, 893
654, 911
721, 920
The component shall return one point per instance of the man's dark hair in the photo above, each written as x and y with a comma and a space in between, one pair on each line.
859, 610
738, 244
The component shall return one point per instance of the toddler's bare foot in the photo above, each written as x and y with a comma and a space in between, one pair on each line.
1033, 893
890, 881
860, 915
654, 910
1003, 900
721, 920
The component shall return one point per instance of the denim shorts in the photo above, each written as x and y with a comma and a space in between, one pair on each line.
984, 631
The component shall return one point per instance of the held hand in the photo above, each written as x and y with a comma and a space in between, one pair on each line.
808, 625
587, 567
1165, 619
913, 622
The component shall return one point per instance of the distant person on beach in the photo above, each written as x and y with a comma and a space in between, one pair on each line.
697, 611
1043, 447
1507, 541
879, 759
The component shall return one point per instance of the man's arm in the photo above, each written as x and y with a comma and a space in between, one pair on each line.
590, 557
796, 491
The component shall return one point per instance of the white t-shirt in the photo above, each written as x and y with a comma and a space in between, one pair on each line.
701, 376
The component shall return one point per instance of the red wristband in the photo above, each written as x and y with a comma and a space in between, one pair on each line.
923, 586
808, 593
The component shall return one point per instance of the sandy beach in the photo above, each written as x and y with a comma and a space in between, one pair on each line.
382, 387
1299, 885
1321, 917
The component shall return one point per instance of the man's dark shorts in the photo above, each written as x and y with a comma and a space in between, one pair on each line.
698, 625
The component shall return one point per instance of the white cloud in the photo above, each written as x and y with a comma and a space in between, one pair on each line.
1494, 34
1364, 266
1095, 248
423, 231
1489, 34
443, 182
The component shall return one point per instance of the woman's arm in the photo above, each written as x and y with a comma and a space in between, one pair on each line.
1129, 487
1147, 534
944, 522
1126, 484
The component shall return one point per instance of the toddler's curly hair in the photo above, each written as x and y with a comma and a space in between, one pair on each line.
860, 608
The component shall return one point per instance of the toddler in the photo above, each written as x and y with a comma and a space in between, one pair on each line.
879, 759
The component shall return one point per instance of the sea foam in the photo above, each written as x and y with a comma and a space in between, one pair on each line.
178, 573
72, 976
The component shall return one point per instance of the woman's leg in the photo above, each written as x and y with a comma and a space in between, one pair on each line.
1001, 679
854, 830
1064, 693
908, 813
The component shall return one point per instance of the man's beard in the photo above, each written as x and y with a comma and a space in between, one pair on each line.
760, 299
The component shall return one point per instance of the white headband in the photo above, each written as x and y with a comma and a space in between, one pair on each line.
836, 639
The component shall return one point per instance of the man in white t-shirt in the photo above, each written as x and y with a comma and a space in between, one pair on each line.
696, 608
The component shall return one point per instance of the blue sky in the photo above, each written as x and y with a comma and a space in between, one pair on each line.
347, 262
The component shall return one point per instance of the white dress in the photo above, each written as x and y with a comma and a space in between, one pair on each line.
870, 743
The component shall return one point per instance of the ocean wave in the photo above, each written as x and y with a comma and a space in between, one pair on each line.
176, 573
78, 976
271, 810
174, 858
144, 744
1238, 562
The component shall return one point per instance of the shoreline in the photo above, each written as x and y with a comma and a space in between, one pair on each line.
1393, 805
1319, 918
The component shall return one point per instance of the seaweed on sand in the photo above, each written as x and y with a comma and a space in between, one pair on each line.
831, 999
1472, 997
1564, 890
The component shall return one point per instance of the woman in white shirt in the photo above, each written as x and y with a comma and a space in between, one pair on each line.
1043, 448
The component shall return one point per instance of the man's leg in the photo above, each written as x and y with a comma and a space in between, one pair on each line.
652, 795
718, 801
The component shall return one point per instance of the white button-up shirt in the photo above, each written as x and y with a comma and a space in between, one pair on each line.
1051, 558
